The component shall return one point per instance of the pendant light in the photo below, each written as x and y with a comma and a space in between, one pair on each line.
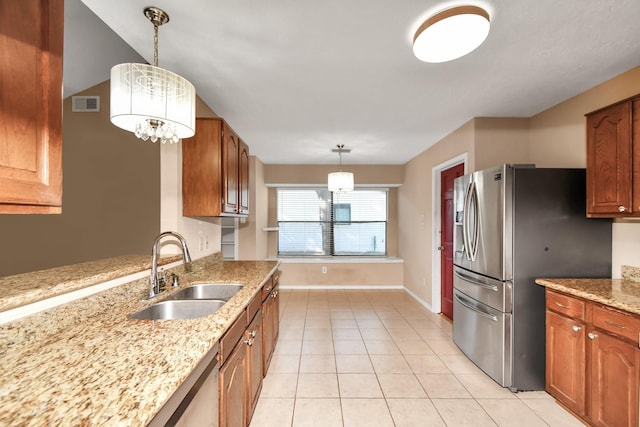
451, 34
340, 182
150, 101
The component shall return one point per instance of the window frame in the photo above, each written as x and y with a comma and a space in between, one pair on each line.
332, 223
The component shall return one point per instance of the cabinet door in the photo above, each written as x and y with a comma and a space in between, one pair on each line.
31, 106
615, 368
635, 155
609, 162
233, 389
254, 362
201, 168
268, 307
565, 361
243, 165
230, 162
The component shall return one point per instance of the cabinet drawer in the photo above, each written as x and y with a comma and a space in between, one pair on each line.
253, 307
566, 305
232, 336
267, 288
616, 322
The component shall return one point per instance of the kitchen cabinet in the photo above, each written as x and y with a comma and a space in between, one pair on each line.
253, 338
242, 357
215, 171
31, 106
613, 160
593, 360
271, 319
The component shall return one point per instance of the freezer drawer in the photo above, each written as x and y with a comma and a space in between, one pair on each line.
484, 335
491, 292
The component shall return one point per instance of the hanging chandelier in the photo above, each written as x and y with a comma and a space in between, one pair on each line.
340, 182
150, 101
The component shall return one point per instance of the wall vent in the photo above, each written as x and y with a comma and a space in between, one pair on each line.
85, 104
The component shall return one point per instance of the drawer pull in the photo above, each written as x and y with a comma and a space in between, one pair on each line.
249, 342
576, 328
562, 305
615, 325
592, 336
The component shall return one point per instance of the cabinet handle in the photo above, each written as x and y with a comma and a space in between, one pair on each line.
252, 334
274, 294
249, 342
621, 209
576, 328
562, 305
592, 336
615, 325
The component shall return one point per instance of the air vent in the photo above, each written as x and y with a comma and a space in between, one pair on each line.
85, 104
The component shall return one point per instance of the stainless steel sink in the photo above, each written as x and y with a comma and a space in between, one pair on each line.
178, 309
205, 291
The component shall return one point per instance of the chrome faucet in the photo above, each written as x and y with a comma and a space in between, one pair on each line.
155, 282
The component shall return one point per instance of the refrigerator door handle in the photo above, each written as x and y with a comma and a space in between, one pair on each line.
474, 280
465, 222
468, 304
473, 203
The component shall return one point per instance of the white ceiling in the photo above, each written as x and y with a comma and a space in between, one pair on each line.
295, 78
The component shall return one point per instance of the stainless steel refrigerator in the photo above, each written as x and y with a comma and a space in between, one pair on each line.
512, 225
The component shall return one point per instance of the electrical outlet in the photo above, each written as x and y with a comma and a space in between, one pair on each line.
324, 269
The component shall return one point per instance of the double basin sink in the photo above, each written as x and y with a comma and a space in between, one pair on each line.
189, 303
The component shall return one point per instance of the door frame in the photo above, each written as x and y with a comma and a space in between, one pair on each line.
436, 187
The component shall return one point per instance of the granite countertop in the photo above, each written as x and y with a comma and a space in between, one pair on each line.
623, 294
86, 363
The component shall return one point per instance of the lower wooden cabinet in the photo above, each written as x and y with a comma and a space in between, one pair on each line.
233, 394
270, 323
566, 364
243, 355
615, 366
593, 360
253, 339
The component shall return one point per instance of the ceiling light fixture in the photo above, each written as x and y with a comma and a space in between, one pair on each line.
340, 182
451, 34
150, 101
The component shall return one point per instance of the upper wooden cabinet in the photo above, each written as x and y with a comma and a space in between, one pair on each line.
31, 106
613, 160
215, 171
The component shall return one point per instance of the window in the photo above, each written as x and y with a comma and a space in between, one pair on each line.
317, 222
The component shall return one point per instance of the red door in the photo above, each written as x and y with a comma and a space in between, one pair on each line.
446, 237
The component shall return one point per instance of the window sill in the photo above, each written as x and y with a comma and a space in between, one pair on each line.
339, 260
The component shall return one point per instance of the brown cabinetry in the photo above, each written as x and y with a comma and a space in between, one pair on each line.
271, 319
31, 106
613, 160
242, 358
593, 360
215, 171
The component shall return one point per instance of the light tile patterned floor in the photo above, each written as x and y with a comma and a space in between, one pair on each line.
366, 358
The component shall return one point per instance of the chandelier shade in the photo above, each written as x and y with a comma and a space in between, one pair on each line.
340, 182
146, 98
150, 101
451, 34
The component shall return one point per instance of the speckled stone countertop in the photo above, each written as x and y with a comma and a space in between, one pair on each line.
85, 363
623, 294
21, 289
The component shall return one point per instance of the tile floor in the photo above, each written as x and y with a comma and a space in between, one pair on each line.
365, 358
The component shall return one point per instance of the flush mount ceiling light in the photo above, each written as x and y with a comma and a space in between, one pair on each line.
150, 101
451, 34
340, 182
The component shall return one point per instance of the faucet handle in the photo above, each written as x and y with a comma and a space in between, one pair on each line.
162, 280
175, 280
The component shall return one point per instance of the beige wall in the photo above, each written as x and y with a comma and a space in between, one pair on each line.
252, 239
342, 274
554, 138
110, 202
557, 139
